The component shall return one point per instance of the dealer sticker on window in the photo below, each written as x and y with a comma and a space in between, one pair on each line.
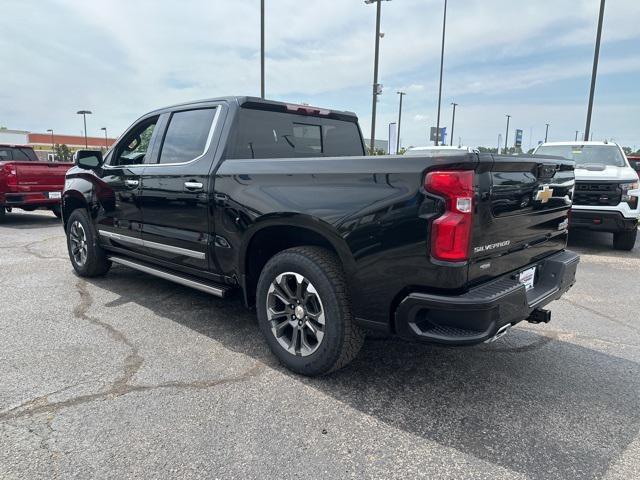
54, 194
527, 277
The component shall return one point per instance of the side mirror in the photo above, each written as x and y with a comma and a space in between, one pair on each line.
88, 159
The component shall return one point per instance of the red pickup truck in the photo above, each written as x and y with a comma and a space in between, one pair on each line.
27, 183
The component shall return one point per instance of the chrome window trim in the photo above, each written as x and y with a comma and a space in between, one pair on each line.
212, 130
157, 246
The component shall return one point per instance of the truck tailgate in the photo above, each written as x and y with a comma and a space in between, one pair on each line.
40, 176
522, 213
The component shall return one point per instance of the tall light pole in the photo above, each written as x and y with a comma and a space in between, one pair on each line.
53, 145
453, 121
376, 87
261, 48
444, 25
506, 136
402, 94
106, 142
84, 114
577, 131
594, 73
546, 134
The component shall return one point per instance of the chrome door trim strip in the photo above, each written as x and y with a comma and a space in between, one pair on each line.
218, 292
157, 246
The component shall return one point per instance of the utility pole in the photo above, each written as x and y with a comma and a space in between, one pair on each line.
262, 49
577, 131
106, 142
84, 114
506, 136
546, 134
594, 73
453, 122
53, 145
402, 94
444, 25
376, 87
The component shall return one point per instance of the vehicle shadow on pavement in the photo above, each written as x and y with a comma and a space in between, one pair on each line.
529, 402
22, 220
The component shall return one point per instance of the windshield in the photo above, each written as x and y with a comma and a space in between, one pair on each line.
585, 155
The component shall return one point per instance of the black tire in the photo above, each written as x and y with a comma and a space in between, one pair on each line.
57, 211
625, 240
95, 261
3, 213
342, 338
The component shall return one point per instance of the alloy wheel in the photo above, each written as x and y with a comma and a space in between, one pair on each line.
78, 239
295, 313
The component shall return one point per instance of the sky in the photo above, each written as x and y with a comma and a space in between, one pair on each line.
531, 59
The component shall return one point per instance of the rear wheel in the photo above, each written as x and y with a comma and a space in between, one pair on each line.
625, 240
87, 257
57, 211
3, 212
304, 311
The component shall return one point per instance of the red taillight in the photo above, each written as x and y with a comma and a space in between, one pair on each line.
451, 232
11, 176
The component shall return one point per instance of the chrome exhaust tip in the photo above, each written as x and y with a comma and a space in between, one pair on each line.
500, 333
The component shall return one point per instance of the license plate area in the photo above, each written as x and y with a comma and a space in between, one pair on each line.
527, 277
54, 195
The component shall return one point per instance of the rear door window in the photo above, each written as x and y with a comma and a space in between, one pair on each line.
269, 134
187, 135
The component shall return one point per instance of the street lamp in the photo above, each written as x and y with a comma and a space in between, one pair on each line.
453, 121
376, 87
84, 114
53, 144
402, 94
577, 131
262, 49
106, 142
444, 24
594, 73
506, 136
546, 134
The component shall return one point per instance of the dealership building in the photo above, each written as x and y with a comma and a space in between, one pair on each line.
43, 143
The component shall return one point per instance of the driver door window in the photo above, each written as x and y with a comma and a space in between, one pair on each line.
136, 146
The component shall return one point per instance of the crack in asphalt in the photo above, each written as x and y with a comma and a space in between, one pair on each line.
121, 385
28, 248
603, 315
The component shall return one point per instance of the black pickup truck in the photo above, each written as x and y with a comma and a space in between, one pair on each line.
280, 202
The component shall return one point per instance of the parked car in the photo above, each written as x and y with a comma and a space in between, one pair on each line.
280, 202
634, 161
27, 183
607, 191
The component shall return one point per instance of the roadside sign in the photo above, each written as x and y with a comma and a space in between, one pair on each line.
393, 138
518, 138
443, 134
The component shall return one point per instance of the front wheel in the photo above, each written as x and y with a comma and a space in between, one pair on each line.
625, 240
304, 311
57, 211
87, 256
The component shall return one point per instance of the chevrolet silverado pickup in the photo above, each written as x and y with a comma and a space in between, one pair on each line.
280, 203
606, 192
27, 183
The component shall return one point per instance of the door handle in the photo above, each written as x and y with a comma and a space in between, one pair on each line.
131, 183
193, 186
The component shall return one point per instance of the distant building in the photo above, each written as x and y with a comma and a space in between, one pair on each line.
42, 142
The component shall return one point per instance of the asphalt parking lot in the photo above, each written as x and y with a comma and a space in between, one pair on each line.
130, 376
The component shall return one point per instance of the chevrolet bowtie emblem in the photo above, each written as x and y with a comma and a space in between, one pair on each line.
544, 194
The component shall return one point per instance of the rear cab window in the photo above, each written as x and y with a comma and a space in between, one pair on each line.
19, 154
273, 134
187, 136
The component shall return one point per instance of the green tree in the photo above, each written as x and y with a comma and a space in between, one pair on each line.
62, 152
627, 150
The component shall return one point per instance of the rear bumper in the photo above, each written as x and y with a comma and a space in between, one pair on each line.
479, 314
28, 199
601, 220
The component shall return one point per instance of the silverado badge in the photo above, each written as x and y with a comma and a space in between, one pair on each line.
544, 194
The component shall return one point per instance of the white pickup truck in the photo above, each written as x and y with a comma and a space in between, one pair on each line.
606, 192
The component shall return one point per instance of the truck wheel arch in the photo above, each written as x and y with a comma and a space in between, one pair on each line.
71, 200
272, 237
